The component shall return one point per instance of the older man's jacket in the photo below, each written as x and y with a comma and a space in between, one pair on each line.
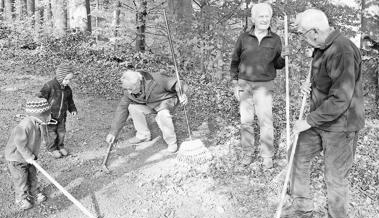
337, 99
155, 90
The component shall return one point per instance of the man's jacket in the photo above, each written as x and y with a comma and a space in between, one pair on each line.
24, 141
336, 97
254, 61
59, 97
156, 89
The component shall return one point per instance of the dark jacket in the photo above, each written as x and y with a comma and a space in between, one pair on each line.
24, 141
254, 61
336, 98
59, 97
156, 89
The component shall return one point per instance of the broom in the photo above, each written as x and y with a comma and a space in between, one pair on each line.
192, 151
287, 171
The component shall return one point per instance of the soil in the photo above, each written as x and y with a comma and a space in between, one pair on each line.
143, 180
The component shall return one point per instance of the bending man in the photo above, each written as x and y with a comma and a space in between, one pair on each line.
145, 94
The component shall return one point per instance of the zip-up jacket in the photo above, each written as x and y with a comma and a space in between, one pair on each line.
25, 140
336, 97
254, 61
59, 97
155, 89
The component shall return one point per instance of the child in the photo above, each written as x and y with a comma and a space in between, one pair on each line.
59, 95
23, 147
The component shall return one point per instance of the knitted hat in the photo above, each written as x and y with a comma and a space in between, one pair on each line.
37, 106
62, 71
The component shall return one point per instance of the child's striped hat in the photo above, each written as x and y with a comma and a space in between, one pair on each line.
37, 106
62, 71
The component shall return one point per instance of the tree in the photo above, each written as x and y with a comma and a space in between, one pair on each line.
116, 18
59, 17
141, 13
47, 15
79, 15
2, 6
182, 12
9, 9
38, 15
30, 8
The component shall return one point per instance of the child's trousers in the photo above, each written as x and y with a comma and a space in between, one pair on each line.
57, 133
25, 179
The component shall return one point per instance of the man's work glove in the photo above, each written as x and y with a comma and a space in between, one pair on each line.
110, 138
183, 99
236, 90
286, 51
31, 160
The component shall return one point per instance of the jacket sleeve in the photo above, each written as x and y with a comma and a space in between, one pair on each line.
21, 141
121, 115
236, 58
71, 103
279, 61
342, 72
45, 92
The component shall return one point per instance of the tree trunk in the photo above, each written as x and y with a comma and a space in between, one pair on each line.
116, 18
48, 15
2, 7
20, 6
141, 24
370, 27
182, 11
79, 15
38, 16
30, 8
60, 17
9, 10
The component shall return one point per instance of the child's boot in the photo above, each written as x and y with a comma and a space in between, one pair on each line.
63, 152
24, 204
39, 198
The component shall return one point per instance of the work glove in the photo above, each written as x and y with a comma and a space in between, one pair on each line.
31, 160
286, 51
110, 138
236, 90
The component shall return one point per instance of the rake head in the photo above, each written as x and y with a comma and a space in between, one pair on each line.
193, 152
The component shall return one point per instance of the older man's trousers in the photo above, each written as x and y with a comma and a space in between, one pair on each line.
338, 153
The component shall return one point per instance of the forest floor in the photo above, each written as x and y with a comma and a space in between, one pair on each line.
146, 182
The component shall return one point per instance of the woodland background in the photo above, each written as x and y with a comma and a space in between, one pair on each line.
102, 38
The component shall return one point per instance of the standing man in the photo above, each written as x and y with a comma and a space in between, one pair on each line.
336, 115
256, 56
145, 94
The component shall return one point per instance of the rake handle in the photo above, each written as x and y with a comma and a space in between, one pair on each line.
294, 145
176, 70
107, 155
68, 195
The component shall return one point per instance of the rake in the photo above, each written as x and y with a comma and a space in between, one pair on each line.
191, 151
287, 171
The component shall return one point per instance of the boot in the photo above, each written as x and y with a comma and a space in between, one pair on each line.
136, 140
39, 198
267, 163
24, 204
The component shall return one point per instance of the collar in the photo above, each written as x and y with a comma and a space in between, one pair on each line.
59, 84
251, 31
36, 120
330, 39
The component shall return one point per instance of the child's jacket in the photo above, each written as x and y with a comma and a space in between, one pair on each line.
59, 97
24, 141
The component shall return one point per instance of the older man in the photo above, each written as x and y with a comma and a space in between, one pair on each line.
336, 115
256, 56
144, 94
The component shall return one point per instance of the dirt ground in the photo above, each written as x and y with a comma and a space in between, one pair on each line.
144, 181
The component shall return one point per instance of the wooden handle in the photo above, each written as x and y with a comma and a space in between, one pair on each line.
294, 145
68, 195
